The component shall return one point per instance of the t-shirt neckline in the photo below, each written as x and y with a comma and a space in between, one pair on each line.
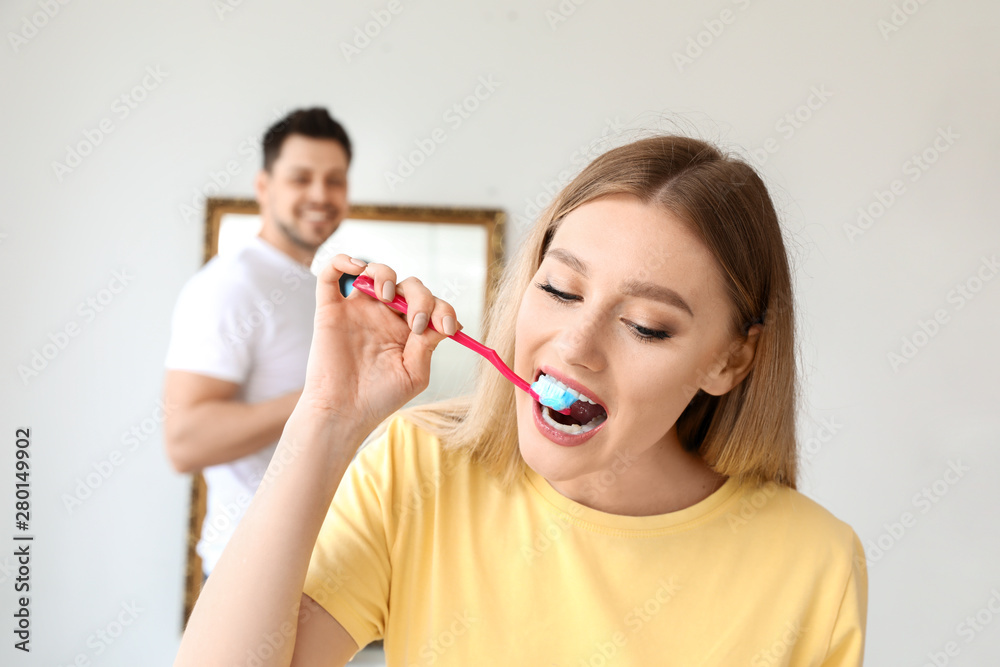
280, 256
604, 521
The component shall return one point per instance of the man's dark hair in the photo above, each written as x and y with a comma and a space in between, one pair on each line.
315, 122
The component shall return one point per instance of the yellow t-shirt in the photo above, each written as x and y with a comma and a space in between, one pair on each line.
422, 548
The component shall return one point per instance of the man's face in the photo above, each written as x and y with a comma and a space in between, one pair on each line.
304, 197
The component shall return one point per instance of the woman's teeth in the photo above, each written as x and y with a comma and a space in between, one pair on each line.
577, 395
571, 429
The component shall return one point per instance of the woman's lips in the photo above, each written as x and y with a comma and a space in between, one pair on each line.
571, 383
557, 436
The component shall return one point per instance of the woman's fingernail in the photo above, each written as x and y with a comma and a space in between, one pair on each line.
358, 262
388, 291
448, 324
420, 323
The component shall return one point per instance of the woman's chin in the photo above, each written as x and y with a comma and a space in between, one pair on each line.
549, 460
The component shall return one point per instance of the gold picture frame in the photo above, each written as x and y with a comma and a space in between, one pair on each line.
447, 223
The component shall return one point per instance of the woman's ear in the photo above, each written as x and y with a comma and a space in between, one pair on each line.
730, 369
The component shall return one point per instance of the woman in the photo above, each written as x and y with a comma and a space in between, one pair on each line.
665, 530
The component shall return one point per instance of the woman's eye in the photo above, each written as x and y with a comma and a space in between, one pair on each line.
647, 335
556, 294
644, 334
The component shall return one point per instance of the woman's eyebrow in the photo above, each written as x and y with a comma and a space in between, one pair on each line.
643, 290
570, 260
656, 293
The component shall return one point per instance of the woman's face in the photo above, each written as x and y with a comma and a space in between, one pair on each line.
629, 308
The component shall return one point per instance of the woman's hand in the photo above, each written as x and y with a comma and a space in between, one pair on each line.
365, 360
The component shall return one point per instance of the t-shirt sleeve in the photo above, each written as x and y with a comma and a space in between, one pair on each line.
847, 643
210, 332
350, 570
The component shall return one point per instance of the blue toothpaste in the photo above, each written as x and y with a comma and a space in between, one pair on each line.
551, 394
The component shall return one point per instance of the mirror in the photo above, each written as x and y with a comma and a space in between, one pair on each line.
456, 252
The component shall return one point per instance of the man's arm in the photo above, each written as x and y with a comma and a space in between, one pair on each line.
205, 425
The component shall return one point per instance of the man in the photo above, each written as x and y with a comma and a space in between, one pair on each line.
243, 324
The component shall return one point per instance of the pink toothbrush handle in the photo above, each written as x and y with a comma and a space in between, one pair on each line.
367, 285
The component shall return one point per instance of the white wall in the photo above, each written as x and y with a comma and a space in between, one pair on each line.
609, 67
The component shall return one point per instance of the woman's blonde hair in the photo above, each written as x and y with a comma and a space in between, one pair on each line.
747, 433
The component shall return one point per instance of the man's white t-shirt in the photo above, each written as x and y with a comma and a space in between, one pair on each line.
245, 317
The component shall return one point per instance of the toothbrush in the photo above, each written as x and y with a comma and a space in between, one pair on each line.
544, 392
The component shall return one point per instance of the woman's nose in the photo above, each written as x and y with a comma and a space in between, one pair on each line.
580, 343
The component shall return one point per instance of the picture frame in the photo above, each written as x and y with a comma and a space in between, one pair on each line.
456, 252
